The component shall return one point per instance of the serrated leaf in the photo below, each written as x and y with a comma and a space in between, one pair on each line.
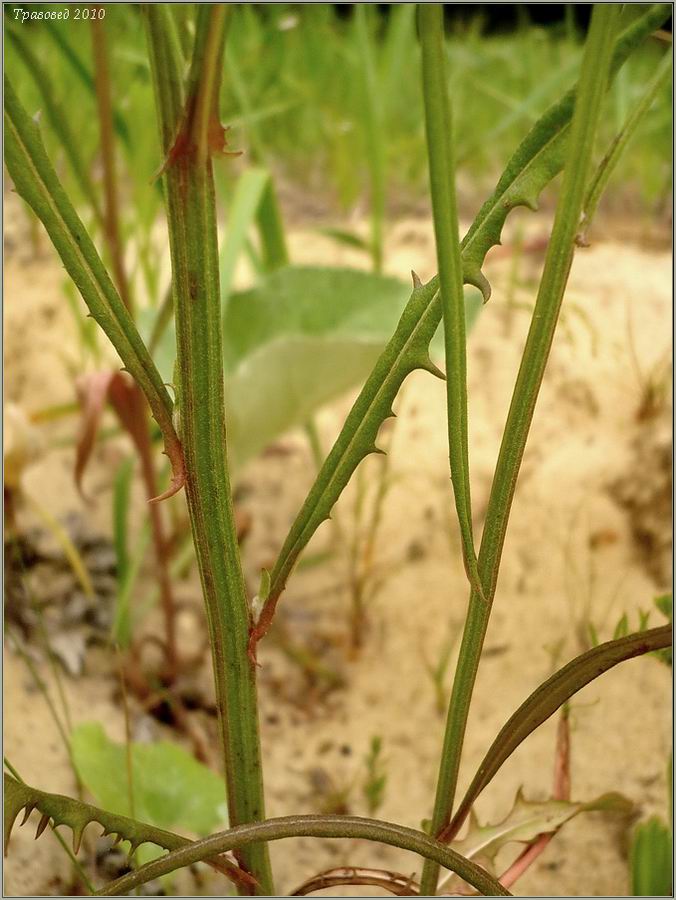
407, 350
170, 788
536, 161
528, 819
525, 822
76, 815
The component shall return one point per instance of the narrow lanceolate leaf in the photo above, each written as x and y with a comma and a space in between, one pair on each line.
408, 350
76, 815
37, 182
537, 160
547, 699
439, 128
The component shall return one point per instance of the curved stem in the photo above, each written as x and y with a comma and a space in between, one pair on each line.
392, 882
587, 112
312, 826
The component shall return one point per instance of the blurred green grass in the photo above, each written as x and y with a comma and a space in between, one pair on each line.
294, 95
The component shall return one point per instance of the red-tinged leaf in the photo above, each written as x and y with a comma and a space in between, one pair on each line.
528, 822
125, 397
92, 390
130, 407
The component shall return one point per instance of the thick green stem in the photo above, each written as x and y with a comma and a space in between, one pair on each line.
189, 133
594, 75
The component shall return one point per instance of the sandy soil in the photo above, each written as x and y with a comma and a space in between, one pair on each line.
588, 539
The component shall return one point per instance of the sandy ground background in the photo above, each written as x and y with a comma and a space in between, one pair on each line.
589, 539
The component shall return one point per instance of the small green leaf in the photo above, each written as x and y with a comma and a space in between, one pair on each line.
170, 788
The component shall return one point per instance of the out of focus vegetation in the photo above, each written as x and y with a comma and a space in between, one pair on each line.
305, 99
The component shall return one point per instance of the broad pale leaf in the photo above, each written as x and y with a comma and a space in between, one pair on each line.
170, 788
296, 341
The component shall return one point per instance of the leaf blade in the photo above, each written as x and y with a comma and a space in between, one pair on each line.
544, 702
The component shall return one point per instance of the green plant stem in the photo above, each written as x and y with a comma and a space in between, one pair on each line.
194, 252
373, 133
587, 111
438, 126
351, 827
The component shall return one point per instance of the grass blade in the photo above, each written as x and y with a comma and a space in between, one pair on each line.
245, 202
546, 700
274, 252
614, 152
438, 125
86, 78
651, 859
37, 182
372, 125
57, 120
